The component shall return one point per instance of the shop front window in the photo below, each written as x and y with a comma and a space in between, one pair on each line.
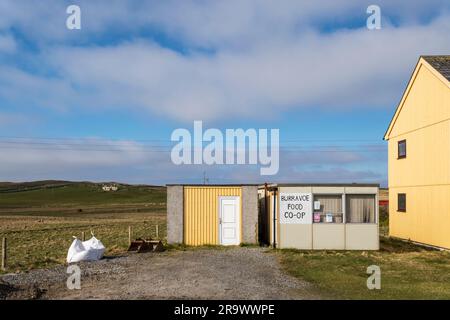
328, 209
360, 208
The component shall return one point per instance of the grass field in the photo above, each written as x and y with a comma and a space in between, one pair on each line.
51, 194
407, 271
39, 219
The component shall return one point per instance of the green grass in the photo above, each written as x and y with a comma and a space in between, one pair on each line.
407, 271
40, 218
384, 221
41, 243
71, 194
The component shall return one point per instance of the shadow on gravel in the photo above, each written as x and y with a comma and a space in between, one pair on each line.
5, 290
9, 292
110, 258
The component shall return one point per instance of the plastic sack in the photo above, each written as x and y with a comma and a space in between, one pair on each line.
90, 250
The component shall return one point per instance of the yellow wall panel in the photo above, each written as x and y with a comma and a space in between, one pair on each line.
201, 213
426, 103
427, 216
428, 157
424, 175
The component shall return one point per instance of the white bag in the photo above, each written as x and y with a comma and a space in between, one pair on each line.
90, 250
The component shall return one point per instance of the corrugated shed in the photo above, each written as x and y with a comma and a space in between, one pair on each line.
201, 213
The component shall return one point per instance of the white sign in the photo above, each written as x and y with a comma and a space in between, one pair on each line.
296, 208
316, 205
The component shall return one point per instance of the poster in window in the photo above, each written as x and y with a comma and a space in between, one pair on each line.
316, 217
296, 208
316, 205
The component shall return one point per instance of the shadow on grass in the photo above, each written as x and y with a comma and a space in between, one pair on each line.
388, 245
393, 245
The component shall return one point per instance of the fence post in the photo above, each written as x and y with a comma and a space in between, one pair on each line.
4, 248
157, 232
129, 235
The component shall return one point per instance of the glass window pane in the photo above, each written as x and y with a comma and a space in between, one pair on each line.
328, 209
360, 208
402, 149
401, 202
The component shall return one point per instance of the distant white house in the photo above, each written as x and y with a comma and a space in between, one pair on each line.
110, 187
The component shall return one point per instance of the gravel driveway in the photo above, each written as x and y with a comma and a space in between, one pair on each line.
228, 273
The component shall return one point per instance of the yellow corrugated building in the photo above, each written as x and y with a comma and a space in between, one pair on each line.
202, 213
419, 156
212, 214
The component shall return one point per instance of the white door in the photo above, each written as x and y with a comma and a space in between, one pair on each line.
229, 220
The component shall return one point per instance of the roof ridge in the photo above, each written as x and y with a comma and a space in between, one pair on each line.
441, 63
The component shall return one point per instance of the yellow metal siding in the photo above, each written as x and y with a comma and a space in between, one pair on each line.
424, 175
426, 103
201, 213
427, 216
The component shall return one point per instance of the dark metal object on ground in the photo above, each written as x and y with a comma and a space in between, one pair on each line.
146, 245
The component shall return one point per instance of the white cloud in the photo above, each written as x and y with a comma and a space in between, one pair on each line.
240, 59
26, 159
268, 57
342, 70
220, 23
130, 161
10, 119
7, 44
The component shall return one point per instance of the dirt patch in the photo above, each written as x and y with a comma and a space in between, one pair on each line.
30, 292
234, 273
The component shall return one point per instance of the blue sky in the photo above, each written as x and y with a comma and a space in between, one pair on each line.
94, 104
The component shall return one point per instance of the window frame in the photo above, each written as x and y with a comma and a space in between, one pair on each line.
375, 208
398, 149
398, 202
337, 195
